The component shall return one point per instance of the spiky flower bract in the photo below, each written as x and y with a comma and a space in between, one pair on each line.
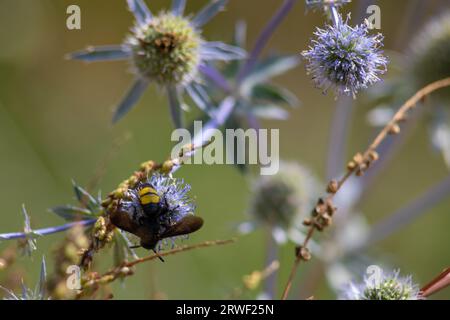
39, 292
166, 49
283, 200
174, 192
345, 58
389, 287
430, 53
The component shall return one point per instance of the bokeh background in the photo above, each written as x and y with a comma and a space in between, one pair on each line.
55, 126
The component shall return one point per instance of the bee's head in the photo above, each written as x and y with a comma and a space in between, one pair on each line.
149, 242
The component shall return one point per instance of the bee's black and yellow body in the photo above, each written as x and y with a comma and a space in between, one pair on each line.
149, 216
150, 200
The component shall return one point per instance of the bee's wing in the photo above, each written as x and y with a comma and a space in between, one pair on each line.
186, 225
123, 221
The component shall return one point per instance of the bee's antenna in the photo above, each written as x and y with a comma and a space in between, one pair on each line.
135, 247
160, 258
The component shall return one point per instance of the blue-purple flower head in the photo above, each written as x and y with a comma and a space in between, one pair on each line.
345, 58
389, 286
167, 49
172, 191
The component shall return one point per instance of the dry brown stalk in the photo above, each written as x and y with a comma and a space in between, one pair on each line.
322, 214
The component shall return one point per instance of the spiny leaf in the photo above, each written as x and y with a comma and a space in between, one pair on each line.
71, 213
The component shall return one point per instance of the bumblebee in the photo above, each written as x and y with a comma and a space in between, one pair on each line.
152, 216
151, 202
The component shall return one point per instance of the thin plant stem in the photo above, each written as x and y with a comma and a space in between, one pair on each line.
180, 249
360, 163
119, 271
439, 283
46, 231
387, 151
294, 269
334, 15
215, 76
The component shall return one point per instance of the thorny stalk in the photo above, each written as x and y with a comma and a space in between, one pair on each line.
168, 166
323, 212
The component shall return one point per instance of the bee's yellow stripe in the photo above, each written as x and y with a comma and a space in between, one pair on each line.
149, 198
146, 190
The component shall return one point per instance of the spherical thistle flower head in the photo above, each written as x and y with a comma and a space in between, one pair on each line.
389, 287
430, 53
166, 50
345, 58
284, 199
172, 192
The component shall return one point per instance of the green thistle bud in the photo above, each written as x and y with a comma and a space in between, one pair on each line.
166, 50
388, 287
430, 60
283, 199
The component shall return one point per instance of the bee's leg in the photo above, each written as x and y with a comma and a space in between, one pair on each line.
160, 258
165, 202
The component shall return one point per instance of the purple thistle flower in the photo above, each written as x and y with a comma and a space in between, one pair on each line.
167, 49
345, 58
173, 191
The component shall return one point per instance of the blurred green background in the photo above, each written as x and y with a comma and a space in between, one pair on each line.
55, 125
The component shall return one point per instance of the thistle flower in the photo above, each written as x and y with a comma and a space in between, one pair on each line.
345, 58
430, 53
173, 192
283, 200
389, 287
155, 210
167, 49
